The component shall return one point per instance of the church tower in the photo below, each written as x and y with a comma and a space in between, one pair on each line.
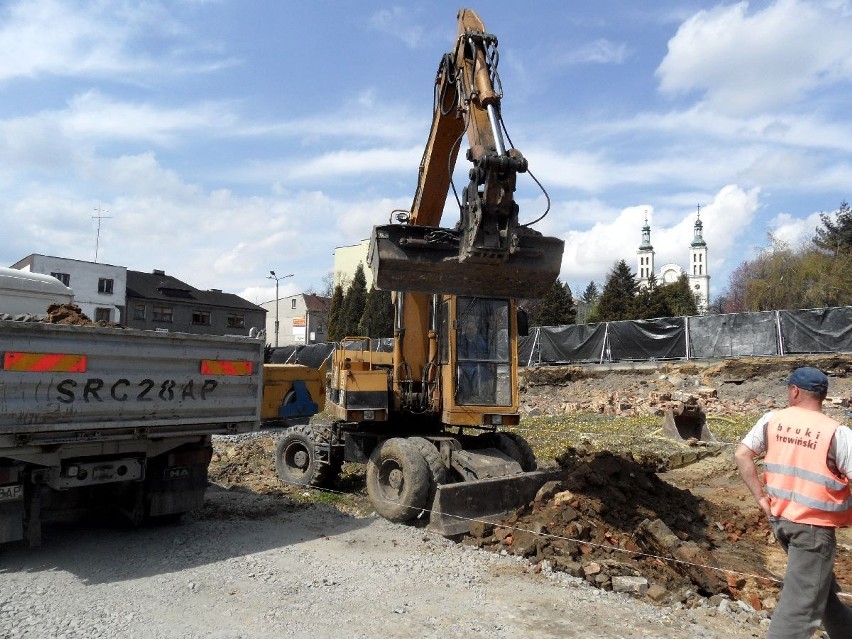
645, 256
699, 278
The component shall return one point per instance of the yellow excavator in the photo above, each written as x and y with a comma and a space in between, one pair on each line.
428, 417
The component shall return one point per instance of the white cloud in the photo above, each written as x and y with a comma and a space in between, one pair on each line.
792, 230
743, 62
92, 39
600, 51
590, 254
400, 24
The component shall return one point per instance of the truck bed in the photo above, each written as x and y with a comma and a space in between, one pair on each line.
62, 383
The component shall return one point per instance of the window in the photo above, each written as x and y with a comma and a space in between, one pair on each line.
201, 318
139, 311
65, 278
236, 321
102, 315
105, 286
163, 313
293, 303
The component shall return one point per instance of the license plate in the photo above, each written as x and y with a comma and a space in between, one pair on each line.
11, 493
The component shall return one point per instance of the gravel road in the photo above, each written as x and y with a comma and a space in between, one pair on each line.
249, 565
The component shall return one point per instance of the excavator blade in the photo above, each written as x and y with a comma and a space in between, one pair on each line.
425, 259
490, 500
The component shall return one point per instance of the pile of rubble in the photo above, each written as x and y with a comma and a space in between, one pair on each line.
730, 388
612, 521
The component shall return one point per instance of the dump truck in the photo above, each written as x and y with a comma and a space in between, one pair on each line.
107, 417
432, 418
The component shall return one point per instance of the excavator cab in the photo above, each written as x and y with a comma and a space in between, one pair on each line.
488, 252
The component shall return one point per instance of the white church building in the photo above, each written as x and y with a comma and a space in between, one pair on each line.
697, 275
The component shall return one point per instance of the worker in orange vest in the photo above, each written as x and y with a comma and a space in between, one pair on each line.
805, 493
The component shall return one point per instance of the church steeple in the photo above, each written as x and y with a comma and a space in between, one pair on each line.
645, 255
697, 240
699, 278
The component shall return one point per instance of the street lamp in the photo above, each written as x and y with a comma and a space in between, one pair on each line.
277, 278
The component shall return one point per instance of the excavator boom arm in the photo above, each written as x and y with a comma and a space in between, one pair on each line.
487, 252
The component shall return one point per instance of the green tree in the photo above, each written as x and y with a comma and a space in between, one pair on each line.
334, 312
377, 320
557, 307
353, 303
784, 278
616, 301
588, 302
651, 301
835, 235
677, 298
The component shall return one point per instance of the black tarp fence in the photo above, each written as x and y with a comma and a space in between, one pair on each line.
768, 333
817, 330
312, 355
734, 335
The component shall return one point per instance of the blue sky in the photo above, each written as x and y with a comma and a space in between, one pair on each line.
224, 139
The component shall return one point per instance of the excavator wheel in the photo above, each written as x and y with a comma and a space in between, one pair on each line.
517, 448
296, 460
437, 470
398, 479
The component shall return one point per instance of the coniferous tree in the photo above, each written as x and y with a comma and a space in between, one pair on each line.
588, 303
616, 301
835, 236
334, 312
677, 298
377, 320
557, 307
651, 301
353, 303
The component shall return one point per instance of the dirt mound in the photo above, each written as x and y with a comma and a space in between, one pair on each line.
610, 516
73, 315
750, 368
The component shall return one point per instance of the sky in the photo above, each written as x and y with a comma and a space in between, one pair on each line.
218, 140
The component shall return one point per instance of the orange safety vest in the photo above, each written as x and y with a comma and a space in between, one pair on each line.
796, 472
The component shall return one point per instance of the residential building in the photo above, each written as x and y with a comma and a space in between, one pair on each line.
346, 260
156, 301
99, 289
302, 319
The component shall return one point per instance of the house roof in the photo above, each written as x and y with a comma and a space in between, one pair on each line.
316, 303
159, 286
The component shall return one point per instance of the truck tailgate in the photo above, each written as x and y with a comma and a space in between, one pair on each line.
59, 382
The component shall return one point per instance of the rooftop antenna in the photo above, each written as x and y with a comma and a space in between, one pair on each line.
100, 216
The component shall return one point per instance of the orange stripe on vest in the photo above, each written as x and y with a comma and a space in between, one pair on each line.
226, 367
44, 362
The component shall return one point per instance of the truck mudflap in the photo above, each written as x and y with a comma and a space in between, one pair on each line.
426, 259
490, 500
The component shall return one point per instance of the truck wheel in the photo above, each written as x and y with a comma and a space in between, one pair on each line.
517, 448
296, 460
398, 480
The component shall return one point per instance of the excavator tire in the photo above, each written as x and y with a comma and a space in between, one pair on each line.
517, 448
297, 462
438, 471
398, 480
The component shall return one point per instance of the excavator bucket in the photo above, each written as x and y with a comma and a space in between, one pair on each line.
425, 259
687, 420
489, 500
